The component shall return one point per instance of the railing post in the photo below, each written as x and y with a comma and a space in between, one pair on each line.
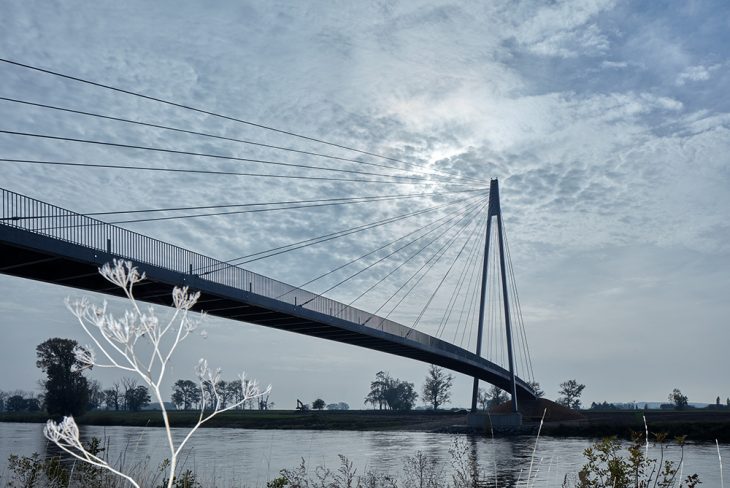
108, 245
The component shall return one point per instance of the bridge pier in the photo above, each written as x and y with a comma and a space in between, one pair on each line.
495, 210
495, 422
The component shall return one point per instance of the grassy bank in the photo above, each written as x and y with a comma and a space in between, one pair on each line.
272, 419
697, 425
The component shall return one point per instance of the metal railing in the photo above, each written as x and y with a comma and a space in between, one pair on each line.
22, 212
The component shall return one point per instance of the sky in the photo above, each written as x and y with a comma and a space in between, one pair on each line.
606, 122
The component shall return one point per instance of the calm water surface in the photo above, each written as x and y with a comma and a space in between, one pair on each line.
237, 457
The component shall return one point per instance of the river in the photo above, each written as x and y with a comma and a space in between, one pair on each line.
225, 458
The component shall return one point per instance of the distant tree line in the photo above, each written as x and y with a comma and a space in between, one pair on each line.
188, 394
67, 391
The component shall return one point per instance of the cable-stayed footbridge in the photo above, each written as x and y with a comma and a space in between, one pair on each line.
45, 242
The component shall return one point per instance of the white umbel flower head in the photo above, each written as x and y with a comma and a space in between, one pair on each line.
85, 355
122, 273
64, 433
184, 300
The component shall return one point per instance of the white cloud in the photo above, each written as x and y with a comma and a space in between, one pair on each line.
564, 29
614, 64
696, 73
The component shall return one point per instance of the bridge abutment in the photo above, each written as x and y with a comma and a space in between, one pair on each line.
497, 422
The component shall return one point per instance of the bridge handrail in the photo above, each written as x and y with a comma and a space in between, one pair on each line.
46, 219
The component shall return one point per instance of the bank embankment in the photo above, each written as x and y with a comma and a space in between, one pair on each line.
423, 421
697, 425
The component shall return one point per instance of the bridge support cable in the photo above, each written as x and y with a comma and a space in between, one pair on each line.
519, 316
467, 296
328, 203
260, 210
471, 315
195, 171
463, 218
249, 258
364, 269
343, 200
224, 157
447, 219
403, 263
428, 266
219, 137
455, 295
472, 294
221, 116
446, 275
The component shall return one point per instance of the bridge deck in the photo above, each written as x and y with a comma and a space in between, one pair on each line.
43, 242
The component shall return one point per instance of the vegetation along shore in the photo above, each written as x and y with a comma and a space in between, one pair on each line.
697, 425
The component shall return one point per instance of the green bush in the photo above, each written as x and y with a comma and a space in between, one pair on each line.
608, 465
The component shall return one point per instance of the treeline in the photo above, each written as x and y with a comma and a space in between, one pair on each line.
67, 390
123, 395
189, 394
677, 401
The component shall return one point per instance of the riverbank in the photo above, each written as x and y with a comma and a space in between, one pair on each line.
358, 420
697, 425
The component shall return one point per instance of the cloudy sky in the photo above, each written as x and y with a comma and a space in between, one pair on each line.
606, 122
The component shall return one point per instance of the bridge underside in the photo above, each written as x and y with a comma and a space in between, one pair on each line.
29, 255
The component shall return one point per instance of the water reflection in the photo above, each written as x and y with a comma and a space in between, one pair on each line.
235, 457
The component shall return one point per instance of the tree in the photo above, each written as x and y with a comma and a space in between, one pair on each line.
113, 396
96, 395
401, 395
66, 388
536, 388
570, 392
185, 394
680, 401
234, 392
128, 384
32, 404
496, 397
136, 398
377, 390
264, 403
318, 404
391, 393
15, 403
482, 398
223, 392
717, 400
437, 388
